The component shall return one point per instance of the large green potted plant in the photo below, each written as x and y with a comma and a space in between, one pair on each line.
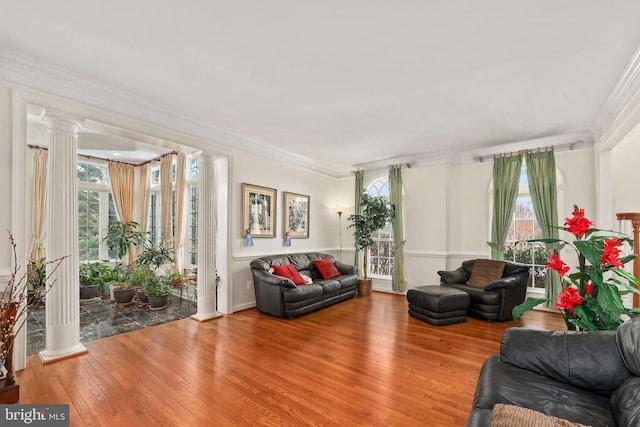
151, 258
375, 213
122, 236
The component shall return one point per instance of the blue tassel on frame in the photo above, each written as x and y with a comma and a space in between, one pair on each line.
248, 240
287, 239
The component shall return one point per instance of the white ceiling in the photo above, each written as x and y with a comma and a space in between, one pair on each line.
334, 84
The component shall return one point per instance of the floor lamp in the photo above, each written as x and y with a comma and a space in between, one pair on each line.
339, 212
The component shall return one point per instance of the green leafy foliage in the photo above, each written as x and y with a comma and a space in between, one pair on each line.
121, 236
376, 212
591, 296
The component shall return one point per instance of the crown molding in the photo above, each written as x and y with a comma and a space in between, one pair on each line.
621, 111
34, 74
414, 160
470, 156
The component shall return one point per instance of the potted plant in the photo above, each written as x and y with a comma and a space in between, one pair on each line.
158, 293
141, 277
91, 277
176, 279
109, 276
376, 213
155, 255
122, 289
122, 237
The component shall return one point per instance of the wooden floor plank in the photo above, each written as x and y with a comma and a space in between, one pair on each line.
360, 362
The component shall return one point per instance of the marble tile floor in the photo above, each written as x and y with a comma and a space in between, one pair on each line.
100, 318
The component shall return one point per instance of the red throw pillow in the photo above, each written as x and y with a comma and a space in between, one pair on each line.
290, 272
326, 268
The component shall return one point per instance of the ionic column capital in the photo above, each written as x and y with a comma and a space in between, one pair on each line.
63, 122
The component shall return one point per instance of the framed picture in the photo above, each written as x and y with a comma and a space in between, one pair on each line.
296, 216
258, 211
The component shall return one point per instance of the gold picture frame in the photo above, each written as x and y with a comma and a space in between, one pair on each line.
296, 215
258, 211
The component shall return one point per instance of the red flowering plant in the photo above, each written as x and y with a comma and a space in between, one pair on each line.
591, 296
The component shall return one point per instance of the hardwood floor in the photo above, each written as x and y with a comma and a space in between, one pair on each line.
360, 362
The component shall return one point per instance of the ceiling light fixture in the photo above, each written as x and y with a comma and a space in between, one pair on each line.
117, 154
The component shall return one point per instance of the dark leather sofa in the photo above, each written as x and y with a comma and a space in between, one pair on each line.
590, 378
280, 297
497, 299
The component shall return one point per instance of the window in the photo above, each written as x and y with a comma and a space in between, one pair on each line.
193, 225
88, 225
193, 180
155, 209
95, 211
524, 226
381, 256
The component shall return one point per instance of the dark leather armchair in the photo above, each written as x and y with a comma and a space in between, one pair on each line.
591, 378
495, 301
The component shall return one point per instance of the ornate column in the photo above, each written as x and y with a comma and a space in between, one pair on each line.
634, 217
63, 300
207, 292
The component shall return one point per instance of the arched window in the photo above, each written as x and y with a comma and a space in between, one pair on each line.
524, 226
381, 256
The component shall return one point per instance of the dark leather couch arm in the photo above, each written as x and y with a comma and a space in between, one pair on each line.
345, 268
261, 277
624, 403
589, 360
457, 276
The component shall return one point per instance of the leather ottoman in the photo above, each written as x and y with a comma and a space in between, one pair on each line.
438, 305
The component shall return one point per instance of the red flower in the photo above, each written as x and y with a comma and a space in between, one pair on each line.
569, 298
578, 225
588, 288
611, 253
555, 263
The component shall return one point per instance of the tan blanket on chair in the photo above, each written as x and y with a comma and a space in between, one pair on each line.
515, 416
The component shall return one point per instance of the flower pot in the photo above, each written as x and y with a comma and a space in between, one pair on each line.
363, 288
123, 296
89, 291
144, 299
158, 303
106, 290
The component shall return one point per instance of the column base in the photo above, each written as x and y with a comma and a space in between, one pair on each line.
205, 317
53, 356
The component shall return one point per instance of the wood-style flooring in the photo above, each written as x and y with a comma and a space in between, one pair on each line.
362, 362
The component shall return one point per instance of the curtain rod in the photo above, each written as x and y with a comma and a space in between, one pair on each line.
560, 147
37, 147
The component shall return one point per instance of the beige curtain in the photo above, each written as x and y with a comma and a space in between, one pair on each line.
39, 204
181, 189
165, 194
143, 198
122, 178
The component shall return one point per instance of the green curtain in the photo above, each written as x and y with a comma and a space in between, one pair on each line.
398, 281
541, 173
506, 179
358, 210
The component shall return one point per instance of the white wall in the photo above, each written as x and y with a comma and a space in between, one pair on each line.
446, 208
325, 194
